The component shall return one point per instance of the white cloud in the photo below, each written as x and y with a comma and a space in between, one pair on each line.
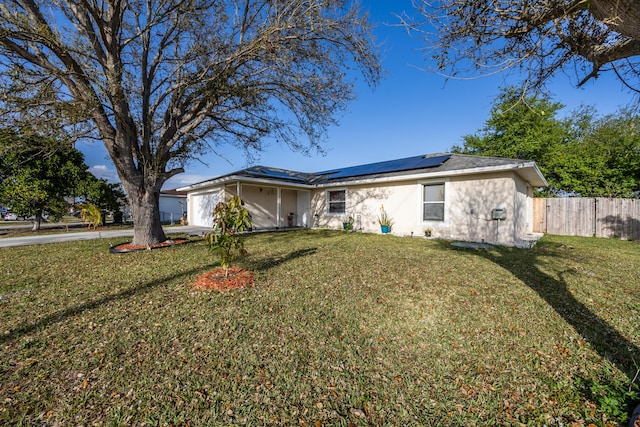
103, 171
180, 180
184, 179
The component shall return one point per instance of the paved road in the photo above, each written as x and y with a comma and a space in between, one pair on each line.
89, 235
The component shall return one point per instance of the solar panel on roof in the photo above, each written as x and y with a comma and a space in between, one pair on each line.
270, 173
418, 162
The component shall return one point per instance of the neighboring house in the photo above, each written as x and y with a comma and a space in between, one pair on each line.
173, 205
458, 197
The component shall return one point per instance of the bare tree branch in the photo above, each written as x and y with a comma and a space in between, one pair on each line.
541, 38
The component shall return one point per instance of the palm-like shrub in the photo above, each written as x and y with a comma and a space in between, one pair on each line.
91, 215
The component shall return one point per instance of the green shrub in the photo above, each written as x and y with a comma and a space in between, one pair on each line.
229, 219
615, 398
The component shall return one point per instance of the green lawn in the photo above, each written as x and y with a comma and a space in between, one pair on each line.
340, 329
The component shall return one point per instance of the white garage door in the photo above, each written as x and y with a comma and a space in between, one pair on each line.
202, 208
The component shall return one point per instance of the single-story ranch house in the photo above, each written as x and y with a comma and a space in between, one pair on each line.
457, 197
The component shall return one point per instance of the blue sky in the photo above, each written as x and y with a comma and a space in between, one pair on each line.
411, 112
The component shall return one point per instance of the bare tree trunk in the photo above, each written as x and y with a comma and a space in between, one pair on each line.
622, 15
37, 221
147, 228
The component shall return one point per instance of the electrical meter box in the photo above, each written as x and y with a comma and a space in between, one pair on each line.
499, 213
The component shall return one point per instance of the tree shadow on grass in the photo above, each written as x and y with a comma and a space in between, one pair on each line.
62, 315
271, 262
602, 337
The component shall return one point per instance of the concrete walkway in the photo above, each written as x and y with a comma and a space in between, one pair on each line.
89, 235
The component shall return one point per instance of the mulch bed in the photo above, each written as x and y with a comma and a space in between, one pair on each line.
215, 280
128, 247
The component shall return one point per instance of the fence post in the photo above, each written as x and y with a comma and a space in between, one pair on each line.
546, 215
595, 217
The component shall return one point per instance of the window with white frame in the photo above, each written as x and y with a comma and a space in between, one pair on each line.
337, 202
433, 202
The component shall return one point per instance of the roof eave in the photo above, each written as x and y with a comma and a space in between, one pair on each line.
235, 177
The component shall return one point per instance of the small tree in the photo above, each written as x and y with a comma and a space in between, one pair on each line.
229, 219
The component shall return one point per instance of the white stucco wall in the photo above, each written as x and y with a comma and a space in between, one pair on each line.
262, 202
524, 203
469, 201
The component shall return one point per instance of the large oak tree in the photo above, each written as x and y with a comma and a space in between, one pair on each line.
160, 82
541, 38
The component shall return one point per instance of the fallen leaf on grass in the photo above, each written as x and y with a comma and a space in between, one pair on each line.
357, 413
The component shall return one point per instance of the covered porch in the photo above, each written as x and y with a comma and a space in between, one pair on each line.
271, 206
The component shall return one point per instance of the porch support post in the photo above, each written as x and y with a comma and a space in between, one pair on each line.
278, 203
239, 189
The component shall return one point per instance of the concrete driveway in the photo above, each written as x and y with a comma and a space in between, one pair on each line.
89, 235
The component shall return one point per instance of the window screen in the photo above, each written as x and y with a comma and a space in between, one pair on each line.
337, 201
433, 202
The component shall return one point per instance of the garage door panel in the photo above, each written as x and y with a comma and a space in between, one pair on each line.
203, 205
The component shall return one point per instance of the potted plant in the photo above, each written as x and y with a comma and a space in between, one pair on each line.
347, 223
427, 232
384, 220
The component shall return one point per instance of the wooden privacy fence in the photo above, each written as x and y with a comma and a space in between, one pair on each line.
600, 217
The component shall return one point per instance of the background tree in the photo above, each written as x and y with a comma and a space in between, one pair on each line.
583, 155
38, 180
521, 128
541, 38
162, 82
602, 158
104, 195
